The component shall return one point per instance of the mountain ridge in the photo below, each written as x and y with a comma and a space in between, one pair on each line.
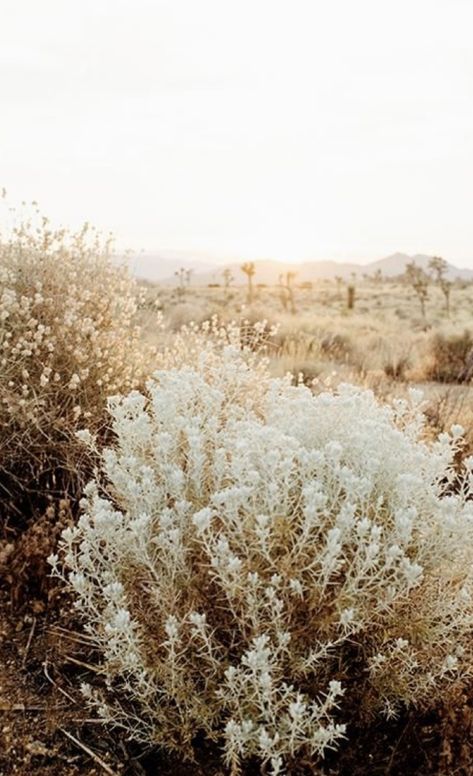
161, 267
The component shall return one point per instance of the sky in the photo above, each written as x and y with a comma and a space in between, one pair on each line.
290, 129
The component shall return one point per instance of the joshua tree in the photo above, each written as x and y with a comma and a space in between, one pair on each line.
249, 269
419, 281
181, 275
184, 276
440, 268
339, 282
287, 291
227, 280
282, 292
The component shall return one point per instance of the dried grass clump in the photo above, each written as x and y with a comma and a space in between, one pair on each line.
67, 341
255, 550
450, 358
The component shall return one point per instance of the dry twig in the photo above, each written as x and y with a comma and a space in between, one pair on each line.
90, 752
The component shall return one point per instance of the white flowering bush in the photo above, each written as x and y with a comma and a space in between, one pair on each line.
254, 550
67, 341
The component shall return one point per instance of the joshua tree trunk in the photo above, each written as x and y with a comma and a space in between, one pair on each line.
287, 291
250, 289
351, 297
249, 269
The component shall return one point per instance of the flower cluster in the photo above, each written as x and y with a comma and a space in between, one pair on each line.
67, 340
253, 549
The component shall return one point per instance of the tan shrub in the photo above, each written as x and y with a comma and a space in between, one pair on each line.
450, 358
67, 341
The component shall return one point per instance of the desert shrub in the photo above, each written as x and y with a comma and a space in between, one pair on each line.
299, 344
450, 358
179, 314
396, 368
67, 341
23, 557
336, 346
396, 365
298, 353
253, 551
448, 405
193, 342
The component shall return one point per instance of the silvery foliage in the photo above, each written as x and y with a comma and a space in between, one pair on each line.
246, 537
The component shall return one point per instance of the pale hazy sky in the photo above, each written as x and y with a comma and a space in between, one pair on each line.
287, 128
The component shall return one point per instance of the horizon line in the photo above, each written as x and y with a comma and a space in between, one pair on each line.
208, 256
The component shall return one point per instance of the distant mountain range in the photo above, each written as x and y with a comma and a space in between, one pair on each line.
161, 268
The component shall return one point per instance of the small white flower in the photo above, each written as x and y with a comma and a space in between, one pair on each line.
202, 519
347, 617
